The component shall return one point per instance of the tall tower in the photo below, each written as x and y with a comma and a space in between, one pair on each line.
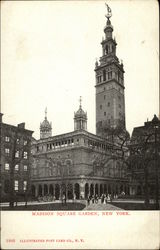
80, 118
110, 103
45, 127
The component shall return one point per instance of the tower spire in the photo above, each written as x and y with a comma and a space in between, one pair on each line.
45, 127
80, 118
80, 102
46, 113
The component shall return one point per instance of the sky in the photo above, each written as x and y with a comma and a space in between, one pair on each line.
48, 54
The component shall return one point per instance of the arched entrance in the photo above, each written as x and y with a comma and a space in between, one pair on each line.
40, 190
77, 190
109, 189
96, 189
105, 189
139, 190
57, 191
86, 190
45, 189
63, 189
51, 189
116, 190
121, 189
101, 189
91, 190
152, 190
70, 191
33, 191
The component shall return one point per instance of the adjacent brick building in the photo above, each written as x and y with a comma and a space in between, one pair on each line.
15, 159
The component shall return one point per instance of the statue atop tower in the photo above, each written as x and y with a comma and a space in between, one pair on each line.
45, 127
109, 12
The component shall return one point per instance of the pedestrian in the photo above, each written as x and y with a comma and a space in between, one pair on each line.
108, 197
93, 199
105, 199
102, 198
74, 198
96, 198
88, 200
111, 197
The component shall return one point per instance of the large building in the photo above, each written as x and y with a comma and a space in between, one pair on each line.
15, 159
80, 163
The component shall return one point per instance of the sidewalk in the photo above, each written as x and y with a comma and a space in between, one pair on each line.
99, 206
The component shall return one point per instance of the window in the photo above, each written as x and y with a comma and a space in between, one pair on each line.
107, 50
119, 105
16, 167
24, 185
100, 106
16, 185
38, 148
7, 138
104, 113
104, 75
25, 142
25, 167
99, 79
108, 104
104, 97
17, 154
7, 151
25, 155
110, 75
104, 88
6, 167
6, 186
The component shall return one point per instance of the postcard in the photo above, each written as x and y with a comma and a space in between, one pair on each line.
80, 125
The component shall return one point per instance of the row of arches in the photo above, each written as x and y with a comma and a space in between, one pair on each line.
57, 190
77, 191
99, 189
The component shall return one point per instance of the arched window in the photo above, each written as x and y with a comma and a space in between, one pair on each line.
104, 75
107, 50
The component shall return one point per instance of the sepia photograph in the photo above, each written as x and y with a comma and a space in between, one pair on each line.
80, 124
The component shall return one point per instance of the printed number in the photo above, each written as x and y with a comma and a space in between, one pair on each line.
10, 240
